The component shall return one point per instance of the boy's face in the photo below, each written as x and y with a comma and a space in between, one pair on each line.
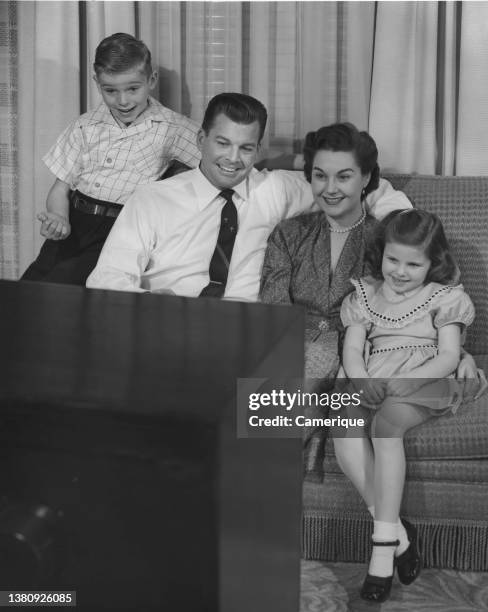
229, 151
126, 93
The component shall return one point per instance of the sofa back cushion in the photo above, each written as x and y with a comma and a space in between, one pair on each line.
462, 204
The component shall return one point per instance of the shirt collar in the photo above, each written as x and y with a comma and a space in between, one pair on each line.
206, 192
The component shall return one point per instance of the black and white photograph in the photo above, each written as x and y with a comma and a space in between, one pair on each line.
244, 305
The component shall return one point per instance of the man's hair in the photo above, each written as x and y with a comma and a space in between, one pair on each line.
121, 52
347, 138
417, 228
238, 107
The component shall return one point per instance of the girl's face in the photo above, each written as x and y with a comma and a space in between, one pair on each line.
404, 267
337, 184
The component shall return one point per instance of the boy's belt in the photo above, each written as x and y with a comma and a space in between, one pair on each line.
91, 206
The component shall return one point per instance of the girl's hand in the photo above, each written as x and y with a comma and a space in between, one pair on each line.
372, 391
467, 367
475, 383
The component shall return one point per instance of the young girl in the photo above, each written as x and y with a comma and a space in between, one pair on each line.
403, 340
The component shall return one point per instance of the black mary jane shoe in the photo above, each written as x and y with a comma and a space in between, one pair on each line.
409, 563
377, 588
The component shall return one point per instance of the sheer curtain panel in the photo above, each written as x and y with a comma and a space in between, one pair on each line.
8, 141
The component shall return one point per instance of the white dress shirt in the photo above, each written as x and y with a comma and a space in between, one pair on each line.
166, 233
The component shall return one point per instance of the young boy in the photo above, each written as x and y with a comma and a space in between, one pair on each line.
100, 158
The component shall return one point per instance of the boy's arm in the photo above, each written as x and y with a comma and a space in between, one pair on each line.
55, 221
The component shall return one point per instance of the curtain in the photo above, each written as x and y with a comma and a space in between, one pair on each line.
402, 118
413, 73
8, 141
472, 136
49, 98
429, 93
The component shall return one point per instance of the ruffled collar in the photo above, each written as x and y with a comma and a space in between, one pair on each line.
380, 311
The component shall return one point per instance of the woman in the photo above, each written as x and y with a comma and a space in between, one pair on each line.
311, 258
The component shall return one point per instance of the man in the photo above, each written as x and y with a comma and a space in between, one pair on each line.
168, 236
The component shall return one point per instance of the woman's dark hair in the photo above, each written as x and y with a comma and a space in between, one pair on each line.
239, 107
417, 228
121, 52
344, 137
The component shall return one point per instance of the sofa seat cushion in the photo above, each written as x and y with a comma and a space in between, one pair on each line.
442, 500
454, 470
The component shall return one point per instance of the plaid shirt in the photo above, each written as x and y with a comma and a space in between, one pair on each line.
102, 160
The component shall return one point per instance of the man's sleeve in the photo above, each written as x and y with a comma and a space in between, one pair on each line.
125, 255
383, 200
295, 191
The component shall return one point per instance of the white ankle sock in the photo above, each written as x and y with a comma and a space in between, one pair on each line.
381, 563
403, 537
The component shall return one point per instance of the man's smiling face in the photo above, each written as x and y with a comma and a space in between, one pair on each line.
229, 151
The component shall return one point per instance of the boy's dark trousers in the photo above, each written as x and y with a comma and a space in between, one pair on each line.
71, 260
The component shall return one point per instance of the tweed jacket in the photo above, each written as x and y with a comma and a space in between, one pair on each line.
296, 267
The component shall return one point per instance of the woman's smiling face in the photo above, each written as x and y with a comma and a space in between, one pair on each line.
337, 183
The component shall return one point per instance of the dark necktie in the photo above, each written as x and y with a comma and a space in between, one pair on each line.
220, 262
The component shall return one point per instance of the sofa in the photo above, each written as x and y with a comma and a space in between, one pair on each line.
446, 492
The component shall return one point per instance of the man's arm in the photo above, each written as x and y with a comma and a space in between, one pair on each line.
379, 202
385, 198
125, 255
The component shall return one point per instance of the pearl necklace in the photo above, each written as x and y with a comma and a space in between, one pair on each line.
344, 230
